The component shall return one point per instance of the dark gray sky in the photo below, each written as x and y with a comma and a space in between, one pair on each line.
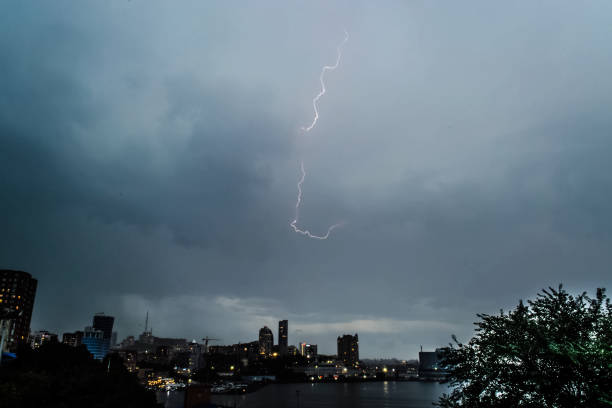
150, 152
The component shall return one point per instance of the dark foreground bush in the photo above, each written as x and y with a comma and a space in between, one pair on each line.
56, 375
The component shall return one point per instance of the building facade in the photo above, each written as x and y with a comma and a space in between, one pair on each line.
283, 336
430, 364
240, 350
17, 292
104, 323
348, 349
41, 337
95, 342
72, 339
292, 351
310, 351
266, 341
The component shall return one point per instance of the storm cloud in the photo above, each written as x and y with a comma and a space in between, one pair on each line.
150, 154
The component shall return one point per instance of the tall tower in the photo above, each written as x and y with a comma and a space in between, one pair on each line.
348, 349
104, 323
17, 292
283, 336
147, 323
98, 338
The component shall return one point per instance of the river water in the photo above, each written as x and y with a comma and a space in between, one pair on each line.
345, 395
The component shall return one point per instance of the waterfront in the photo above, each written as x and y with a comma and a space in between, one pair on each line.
325, 395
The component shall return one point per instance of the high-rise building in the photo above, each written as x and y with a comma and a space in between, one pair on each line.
430, 364
292, 351
17, 292
104, 323
95, 342
348, 349
41, 337
97, 338
266, 341
308, 350
283, 336
73, 339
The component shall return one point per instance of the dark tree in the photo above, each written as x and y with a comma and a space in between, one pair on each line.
57, 375
554, 352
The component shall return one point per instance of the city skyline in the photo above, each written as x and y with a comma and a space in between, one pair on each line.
151, 155
103, 328
297, 342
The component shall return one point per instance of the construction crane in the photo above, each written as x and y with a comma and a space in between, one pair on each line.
206, 340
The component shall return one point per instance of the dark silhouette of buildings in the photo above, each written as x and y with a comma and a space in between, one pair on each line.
283, 336
97, 338
348, 349
240, 350
266, 341
292, 351
430, 365
73, 339
41, 337
17, 292
95, 342
310, 351
104, 323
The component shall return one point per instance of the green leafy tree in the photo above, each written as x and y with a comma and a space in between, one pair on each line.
556, 351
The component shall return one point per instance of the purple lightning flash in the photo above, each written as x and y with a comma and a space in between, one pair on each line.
307, 129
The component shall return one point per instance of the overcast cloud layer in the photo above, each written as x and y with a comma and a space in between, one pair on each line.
150, 152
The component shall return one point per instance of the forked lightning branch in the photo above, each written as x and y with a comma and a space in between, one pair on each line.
306, 129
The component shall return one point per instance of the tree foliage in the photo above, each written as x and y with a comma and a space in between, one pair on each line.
60, 376
556, 351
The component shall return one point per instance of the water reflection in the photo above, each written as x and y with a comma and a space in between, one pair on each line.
346, 395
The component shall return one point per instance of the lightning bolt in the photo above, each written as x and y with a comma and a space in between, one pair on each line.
307, 129
297, 212
321, 76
